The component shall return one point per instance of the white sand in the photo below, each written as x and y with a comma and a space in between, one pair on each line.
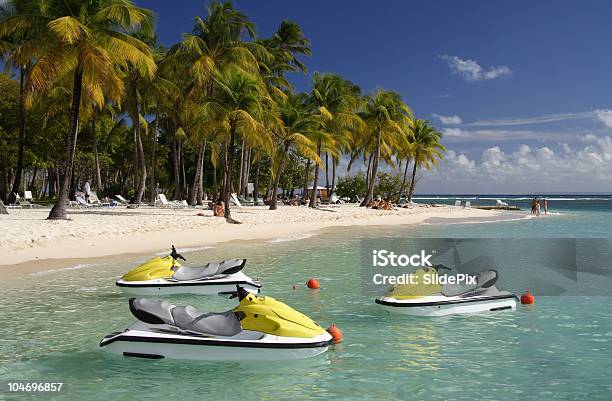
25, 235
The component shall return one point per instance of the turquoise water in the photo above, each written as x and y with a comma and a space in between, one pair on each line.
558, 349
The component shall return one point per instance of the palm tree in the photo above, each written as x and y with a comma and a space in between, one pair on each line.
297, 122
89, 40
215, 43
335, 100
387, 118
426, 149
236, 108
22, 33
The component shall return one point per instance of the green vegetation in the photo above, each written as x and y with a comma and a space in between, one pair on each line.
89, 95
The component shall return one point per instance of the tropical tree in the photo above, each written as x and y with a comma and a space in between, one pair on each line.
22, 36
237, 108
426, 149
89, 40
387, 119
297, 123
335, 100
216, 42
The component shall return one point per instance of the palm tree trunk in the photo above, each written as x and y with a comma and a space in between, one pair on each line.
372, 180
214, 183
3, 209
142, 162
334, 164
198, 174
59, 208
327, 173
228, 175
153, 183
33, 180
399, 195
95, 150
247, 172
200, 195
305, 186
256, 184
277, 177
313, 194
414, 170
175, 165
184, 185
21, 122
369, 169
241, 171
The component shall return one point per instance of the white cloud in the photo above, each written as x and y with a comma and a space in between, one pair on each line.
455, 134
547, 118
605, 116
587, 167
448, 120
470, 70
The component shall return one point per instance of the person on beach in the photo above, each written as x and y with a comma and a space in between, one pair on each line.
87, 190
537, 207
545, 203
533, 205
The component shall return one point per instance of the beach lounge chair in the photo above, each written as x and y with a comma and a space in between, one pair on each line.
93, 199
122, 200
235, 200
27, 197
82, 203
500, 203
175, 204
468, 205
457, 203
16, 205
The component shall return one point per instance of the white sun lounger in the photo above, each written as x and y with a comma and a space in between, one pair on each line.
82, 203
457, 203
93, 198
468, 205
235, 200
122, 200
175, 204
500, 203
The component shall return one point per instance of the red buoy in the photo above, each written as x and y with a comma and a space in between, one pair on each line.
313, 283
527, 298
336, 333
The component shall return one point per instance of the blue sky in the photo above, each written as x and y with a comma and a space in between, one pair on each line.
520, 88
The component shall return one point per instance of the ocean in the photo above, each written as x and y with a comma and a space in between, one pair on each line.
557, 349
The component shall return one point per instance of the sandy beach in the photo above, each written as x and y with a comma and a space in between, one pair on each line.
26, 236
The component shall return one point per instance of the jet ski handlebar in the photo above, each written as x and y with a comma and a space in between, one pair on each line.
439, 267
175, 255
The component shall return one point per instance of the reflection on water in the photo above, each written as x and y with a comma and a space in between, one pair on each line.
558, 349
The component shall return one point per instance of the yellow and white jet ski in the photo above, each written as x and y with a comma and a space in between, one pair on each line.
165, 275
425, 296
259, 328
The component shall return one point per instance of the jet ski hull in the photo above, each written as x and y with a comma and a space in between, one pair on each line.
144, 344
443, 306
160, 286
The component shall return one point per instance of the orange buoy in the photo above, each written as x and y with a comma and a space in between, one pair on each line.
335, 332
313, 283
527, 298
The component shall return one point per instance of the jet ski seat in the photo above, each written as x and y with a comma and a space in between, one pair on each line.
185, 317
484, 280
229, 266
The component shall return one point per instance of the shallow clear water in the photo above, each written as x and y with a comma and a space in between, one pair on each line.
559, 349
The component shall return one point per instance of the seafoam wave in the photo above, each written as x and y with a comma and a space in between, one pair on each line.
294, 237
53, 271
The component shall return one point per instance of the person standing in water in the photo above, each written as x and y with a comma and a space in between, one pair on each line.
533, 206
537, 207
545, 204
